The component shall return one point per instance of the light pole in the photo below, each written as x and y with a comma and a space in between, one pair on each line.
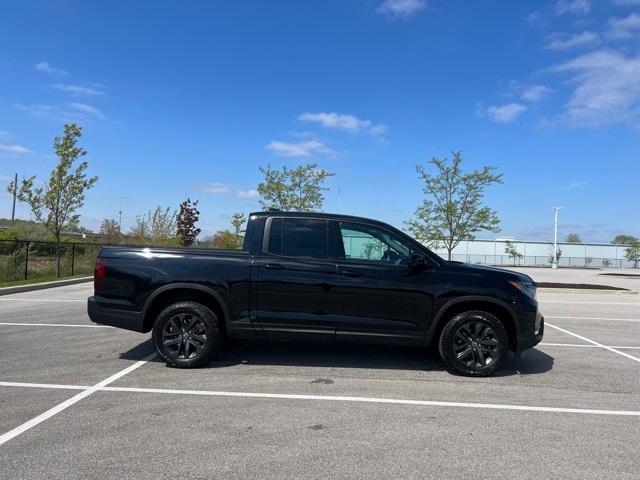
554, 263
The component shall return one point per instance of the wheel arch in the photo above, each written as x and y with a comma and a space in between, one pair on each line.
175, 292
496, 307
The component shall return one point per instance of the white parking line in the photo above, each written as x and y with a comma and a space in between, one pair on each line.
582, 345
637, 304
4, 299
53, 325
595, 318
67, 403
593, 342
334, 398
54, 386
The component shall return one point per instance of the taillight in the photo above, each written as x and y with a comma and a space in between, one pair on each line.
98, 274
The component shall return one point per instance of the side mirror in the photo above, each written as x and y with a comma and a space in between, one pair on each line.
417, 262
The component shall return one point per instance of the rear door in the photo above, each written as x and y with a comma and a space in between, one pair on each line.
379, 297
296, 279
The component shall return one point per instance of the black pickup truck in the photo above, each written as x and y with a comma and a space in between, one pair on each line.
317, 276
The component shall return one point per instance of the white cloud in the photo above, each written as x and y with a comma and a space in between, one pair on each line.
44, 67
534, 17
216, 188
626, 2
78, 90
574, 7
299, 149
4, 133
566, 42
607, 88
86, 108
17, 149
401, 8
342, 121
70, 112
623, 28
247, 193
533, 93
576, 184
503, 113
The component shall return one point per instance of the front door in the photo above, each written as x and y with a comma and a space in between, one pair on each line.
380, 297
295, 280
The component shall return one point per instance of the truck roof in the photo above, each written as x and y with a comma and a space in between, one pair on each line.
332, 216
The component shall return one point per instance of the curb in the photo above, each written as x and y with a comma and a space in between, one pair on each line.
584, 291
43, 285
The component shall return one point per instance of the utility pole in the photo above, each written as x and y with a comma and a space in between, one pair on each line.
15, 192
120, 221
554, 264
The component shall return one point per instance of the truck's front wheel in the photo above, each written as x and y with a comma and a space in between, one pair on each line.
473, 343
186, 334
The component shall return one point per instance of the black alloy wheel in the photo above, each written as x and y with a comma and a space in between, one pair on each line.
186, 334
473, 343
476, 345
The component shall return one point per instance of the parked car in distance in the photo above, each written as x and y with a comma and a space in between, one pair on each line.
325, 277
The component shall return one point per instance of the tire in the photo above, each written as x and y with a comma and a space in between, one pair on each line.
473, 343
186, 334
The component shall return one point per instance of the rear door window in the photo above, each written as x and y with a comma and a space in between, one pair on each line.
298, 237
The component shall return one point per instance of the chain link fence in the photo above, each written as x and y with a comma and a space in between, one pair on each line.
36, 260
539, 254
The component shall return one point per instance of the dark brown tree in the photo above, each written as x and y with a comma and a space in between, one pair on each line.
186, 220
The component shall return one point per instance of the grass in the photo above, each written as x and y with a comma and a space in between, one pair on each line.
33, 281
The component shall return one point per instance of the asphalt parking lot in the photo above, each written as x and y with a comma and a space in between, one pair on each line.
78, 400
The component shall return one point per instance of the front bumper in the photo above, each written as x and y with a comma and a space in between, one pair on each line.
100, 313
533, 333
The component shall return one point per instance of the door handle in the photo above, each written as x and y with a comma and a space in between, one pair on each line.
273, 266
351, 273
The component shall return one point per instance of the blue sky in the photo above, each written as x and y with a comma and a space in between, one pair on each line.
188, 98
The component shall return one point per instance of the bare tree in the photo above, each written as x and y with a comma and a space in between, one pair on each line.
155, 227
110, 230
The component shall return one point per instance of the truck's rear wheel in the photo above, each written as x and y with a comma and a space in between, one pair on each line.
186, 334
473, 343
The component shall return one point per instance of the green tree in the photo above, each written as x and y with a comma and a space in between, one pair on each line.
573, 238
55, 205
186, 220
237, 221
298, 189
156, 227
555, 258
224, 239
632, 253
512, 251
452, 210
110, 231
624, 240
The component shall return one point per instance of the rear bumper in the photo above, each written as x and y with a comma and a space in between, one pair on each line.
102, 314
